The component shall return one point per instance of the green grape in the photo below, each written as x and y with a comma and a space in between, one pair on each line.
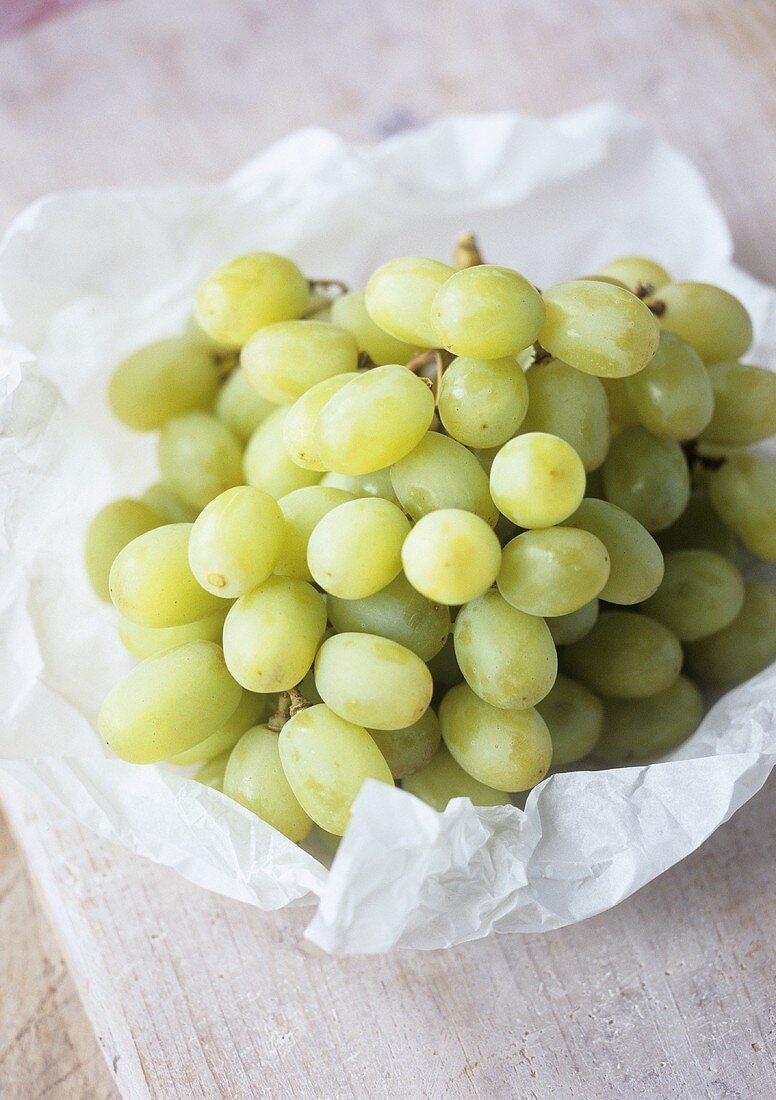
451, 556
300, 423
636, 272
509, 750
111, 529
603, 279
566, 629
192, 330
378, 418
639, 729
169, 703
302, 509
440, 473
349, 312
745, 647
698, 528
255, 778
284, 360
444, 666
482, 402
553, 571
164, 501
271, 635
673, 395
566, 403
397, 612
743, 494
399, 297
372, 681
443, 779
744, 404
713, 321
702, 592
355, 549
199, 457
635, 560
240, 407
268, 465
486, 457
164, 379
594, 484
625, 655
537, 480
507, 657
326, 760
487, 312
236, 541
151, 583
375, 484
647, 477
574, 717
598, 328
249, 292
408, 750
251, 710
211, 773
144, 641
621, 410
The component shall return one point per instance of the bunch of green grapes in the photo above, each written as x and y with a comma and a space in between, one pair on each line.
386, 520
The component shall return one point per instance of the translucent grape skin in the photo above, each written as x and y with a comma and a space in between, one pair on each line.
443, 779
636, 272
482, 402
441, 473
111, 529
240, 407
566, 629
397, 612
626, 656
451, 556
745, 647
255, 778
199, 457
698, 528
144, 641
711, 319
487, 312
302, 509
648, 477
284, 360
621, 410
350, 313
299, 424
162, 380
641, 729
211, 773
635, 560
249, 292
399, 297
553, 571
267, 464
673, 395
509, 750
251, 710
743, 494
537, 480
744, 404
569, 404
236, 541
701, 593
169, 703
574, 717
355, 549
408, 750
172, 509
374, 484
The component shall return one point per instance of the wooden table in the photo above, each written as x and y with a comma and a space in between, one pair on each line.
192, 996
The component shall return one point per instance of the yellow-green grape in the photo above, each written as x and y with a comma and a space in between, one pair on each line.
566, 629
509, 750
300, 423
199, 457
744, 404
482, 402
326, 760
635, 559
255, 778
625, 655
441, 473
355, 549
399, 297
151, 583
603, 279
566, 403
268, 465
236, 541
171, 508
487, 312
251, 710
408, 750
284, 360
701, 593
507, 657
743, 493
574, 717
745, 647
537, 480
144, 641
397, 612
444, 666
169, 703
349, 312
598, 328
164, 379
640, 729
194, 331
249, 292
378, 418
698, 528
372, 681
486, 457
713, 321
113, 527
375, 484
211, 773
302, 509
637, 273
443, 779
451, 556
621, 410
553, 571
648, 477
240, 407
673, 395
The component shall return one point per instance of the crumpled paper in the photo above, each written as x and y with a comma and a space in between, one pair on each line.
88, 276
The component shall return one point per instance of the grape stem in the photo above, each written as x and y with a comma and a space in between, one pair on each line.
657, 307
289, 703
644, 290
467, 252
328, 284
540, 354
706, 462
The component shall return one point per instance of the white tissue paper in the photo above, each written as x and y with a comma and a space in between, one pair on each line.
87, 277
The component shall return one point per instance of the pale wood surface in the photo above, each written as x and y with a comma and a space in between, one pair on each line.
192, 996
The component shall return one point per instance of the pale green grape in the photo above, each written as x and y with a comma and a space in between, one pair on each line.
169, 703
350, 313
625, 655
302, 509
537, 480
271, 635
486, 457
574, 717
482, 402
441, 473
744, 647
399, 297
639, 729
372, 681
255, 778
566, 629
553, 571
192, 330
507, 657
451, 556
636, 272
598, 328
236, 541
397, 612
199, 457
487, 312
211, 773
509, 750
701, 593
355, 549
300, 423
744, 404
408, 750
284, 360
713, 321
240, 407
268, 465
603, 279
569, 404
164, 379
621, 410
144, 641
326, 760
443, 779
743, 493
648, 477
113, 527
635, 560
249, 292
444, 666
698, 528
673, 395
251, 710
375, 484
171, 508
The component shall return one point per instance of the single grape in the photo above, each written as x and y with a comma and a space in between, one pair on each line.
625, 655
255, 778
574, 717
211, 773
743, 494
355, 549
635, 560
192, 330
567, 403
713, 321
647, 477
199, 457
397, 612
171, 508
111, 529
537, 480
566, 629
441, 473
487, 312
268, 465
236, 541
744, 404
482, 402
249, 292
240, 407
144, 641
698, 528
621, 410
251, 710
300, 423
399, 297
162, 380
673, 395
302, 509
744, 647
553, 571
701, 593
350, 313
451, 556
639, 729
636, 272
284, 360
408, 750
375, 484
443, 779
